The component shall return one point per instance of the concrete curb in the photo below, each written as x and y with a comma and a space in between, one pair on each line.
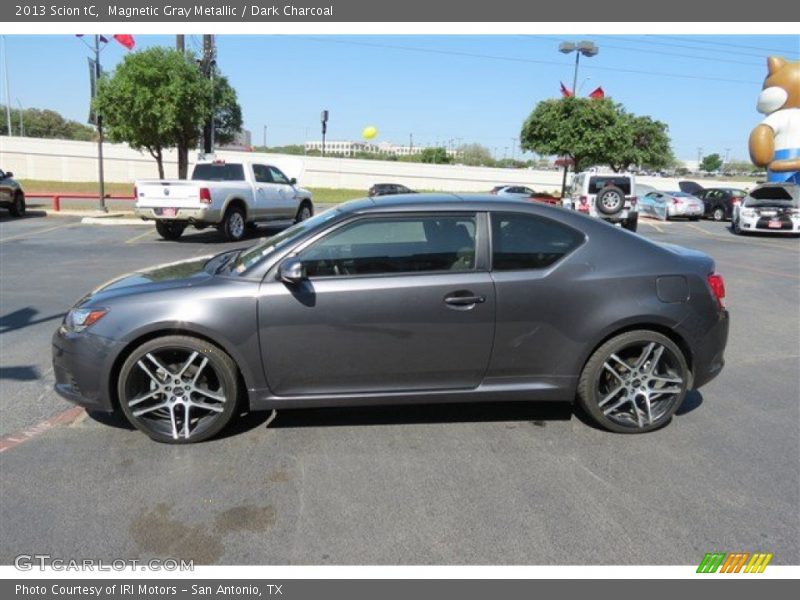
106, 220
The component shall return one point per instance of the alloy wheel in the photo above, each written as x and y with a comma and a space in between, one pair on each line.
236, 225
174, 392
639, 384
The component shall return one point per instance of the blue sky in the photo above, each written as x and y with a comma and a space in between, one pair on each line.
442, 87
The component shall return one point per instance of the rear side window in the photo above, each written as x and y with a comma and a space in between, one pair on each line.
596, 184
521, 241
218, 172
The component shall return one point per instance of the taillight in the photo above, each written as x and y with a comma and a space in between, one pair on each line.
205, 195
634, 200
717, 285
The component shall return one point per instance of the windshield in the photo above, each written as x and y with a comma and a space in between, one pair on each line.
251, 257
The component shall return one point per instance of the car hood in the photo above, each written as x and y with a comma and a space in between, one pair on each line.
300, 191
184, 273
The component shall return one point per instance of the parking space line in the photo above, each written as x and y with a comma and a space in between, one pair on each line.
135, 238
739, 265
653, 225
37, 232
28, 433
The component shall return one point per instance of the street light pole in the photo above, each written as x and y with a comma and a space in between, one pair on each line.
21, 121
8, 89
100, 175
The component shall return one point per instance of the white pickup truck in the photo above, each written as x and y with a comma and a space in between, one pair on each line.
228, 195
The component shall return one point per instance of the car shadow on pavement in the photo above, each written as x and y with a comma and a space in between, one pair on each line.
537, 413
29, 214
692, 401
19, 373
210, 235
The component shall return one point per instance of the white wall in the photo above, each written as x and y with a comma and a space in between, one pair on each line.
60, 160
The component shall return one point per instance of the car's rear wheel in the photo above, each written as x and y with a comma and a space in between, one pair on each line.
170, 230
178, 389
634, 382
17, 208
718, 214
233, 226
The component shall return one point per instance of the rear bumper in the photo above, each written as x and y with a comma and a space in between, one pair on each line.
709, 351
761, 224
82, 366
204, 214
685, 211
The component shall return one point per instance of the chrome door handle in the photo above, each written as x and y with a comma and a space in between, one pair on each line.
464, 300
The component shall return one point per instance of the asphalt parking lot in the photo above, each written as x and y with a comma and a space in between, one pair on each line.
478, 484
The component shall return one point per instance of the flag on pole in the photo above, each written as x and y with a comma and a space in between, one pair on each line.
125, 39
597, 94
564, 91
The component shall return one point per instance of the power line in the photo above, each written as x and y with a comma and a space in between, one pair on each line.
527, 60
729, 45
672, 45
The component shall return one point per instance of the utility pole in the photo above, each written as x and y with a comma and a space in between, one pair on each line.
265, 138
513, 148
8, 89
99, 119
323, 117
410, 143
21, 121
727, 155
699, 157
208, 65
180, 43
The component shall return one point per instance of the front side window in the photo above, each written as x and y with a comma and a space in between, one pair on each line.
390, 245
261, 174
521, 241
278, 176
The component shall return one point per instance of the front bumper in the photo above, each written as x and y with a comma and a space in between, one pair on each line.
82, 366
200, 215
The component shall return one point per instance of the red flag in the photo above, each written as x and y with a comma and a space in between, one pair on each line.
125, 39
564, 91
597, 94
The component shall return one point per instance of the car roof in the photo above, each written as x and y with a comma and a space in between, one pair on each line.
441, 202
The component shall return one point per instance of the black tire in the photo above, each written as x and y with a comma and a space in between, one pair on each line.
718, 214
737, 227
610, 200
234, 225
211, 365
635, 387
632, 222
306, 211
17, 208
170, 230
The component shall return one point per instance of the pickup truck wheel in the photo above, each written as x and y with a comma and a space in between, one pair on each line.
303, 213
233, 225
610, 200
169, 230
17, 209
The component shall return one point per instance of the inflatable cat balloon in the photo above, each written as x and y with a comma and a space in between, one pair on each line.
775, 143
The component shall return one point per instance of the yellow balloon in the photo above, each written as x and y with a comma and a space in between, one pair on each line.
369, 132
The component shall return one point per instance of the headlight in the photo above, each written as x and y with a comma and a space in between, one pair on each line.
748, 212
79, 319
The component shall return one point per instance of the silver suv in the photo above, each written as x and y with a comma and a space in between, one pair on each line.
608, 196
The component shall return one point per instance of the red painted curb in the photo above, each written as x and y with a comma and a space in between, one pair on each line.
28, 433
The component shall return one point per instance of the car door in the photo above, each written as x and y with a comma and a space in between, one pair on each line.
265, 192
285, 205
390, 303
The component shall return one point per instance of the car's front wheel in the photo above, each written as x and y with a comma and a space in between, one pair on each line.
634, 382
718, 214
17, 208
178, 389
304, 212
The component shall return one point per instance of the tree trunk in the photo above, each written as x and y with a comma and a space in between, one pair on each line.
183, 160
159, 156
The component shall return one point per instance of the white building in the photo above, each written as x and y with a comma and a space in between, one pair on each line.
351, 148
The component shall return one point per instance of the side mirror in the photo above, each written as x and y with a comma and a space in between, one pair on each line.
291, 271
293, 181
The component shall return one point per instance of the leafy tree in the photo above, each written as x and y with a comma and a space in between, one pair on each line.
434, 155
595, 131
157, 99
45, 123
640, 141
711, 162
475, 155
578, 128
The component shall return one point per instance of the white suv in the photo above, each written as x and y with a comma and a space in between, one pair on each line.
608, 196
